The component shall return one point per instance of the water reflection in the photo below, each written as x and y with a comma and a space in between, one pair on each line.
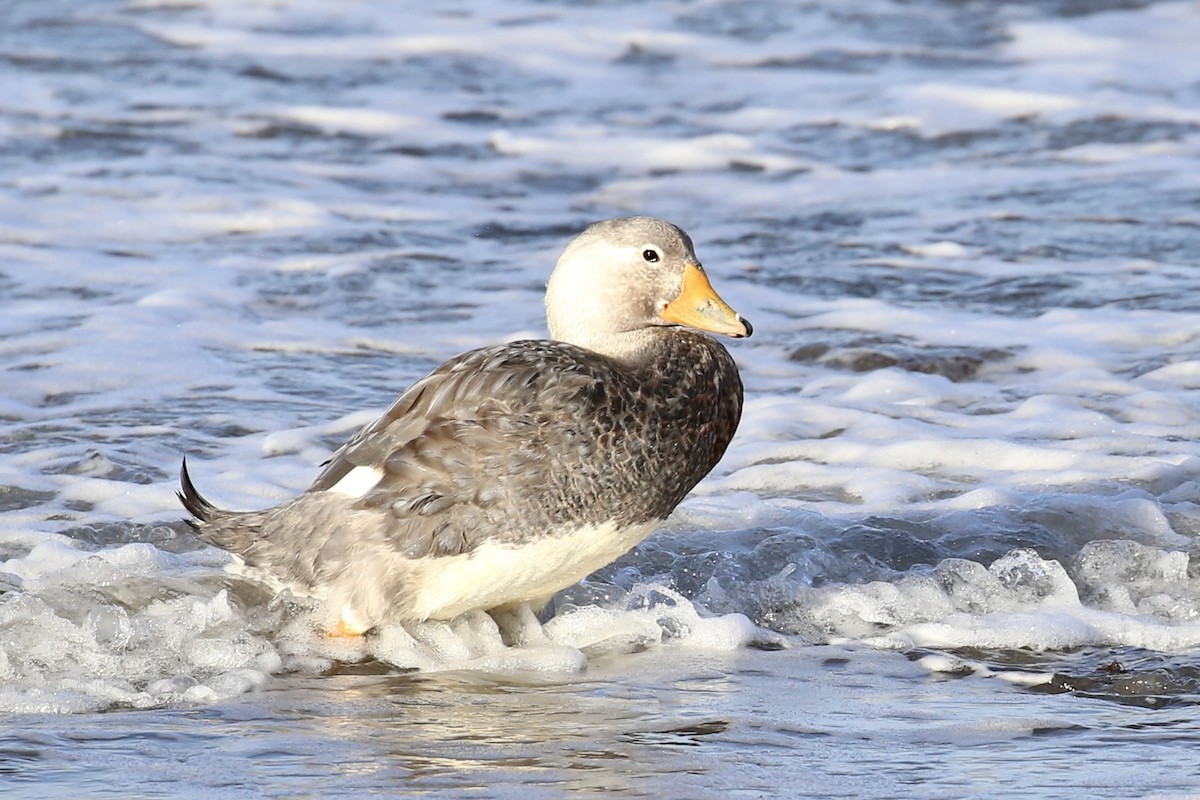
465, 731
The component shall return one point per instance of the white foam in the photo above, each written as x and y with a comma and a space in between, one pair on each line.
600, 148
948, 106
942, 249
651, 616
363, 121
1146, 600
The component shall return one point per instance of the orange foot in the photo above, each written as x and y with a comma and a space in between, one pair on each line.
342, 631
348, 627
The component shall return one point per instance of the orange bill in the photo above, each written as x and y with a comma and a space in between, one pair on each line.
699, 306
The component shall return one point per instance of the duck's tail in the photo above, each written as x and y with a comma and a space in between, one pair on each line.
238, 532
196, 504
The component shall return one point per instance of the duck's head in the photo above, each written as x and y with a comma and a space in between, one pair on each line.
621, 278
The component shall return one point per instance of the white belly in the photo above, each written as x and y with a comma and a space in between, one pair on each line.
495, 575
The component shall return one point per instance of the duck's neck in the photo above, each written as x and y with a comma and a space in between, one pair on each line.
635, 348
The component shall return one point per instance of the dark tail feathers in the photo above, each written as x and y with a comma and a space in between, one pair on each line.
192, 500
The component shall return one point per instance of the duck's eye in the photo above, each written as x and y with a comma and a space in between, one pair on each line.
650, 254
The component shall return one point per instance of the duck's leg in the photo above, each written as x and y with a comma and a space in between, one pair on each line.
519, 626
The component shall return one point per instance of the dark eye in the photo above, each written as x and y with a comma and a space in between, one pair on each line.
650, 255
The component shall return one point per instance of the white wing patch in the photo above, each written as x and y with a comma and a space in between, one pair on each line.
358, 481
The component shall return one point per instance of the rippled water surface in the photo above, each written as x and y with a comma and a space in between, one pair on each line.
949, 554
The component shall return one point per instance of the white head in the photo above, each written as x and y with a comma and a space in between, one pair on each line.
622, 277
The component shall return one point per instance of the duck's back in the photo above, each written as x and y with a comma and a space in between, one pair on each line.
524, 439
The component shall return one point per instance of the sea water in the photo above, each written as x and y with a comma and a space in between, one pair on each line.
951, 552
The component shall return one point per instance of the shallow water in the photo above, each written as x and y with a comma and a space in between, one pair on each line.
751, 725
952, 551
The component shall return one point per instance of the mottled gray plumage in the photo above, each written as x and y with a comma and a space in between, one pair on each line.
514, 444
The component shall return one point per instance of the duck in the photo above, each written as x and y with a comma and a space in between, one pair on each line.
513, 471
